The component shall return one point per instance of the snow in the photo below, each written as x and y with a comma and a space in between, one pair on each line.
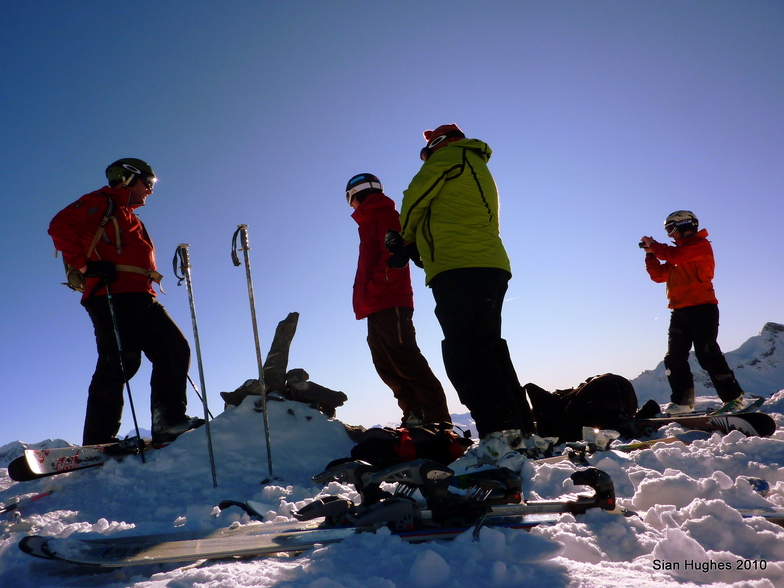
688, 533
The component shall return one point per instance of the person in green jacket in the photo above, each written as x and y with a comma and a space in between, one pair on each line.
450, 212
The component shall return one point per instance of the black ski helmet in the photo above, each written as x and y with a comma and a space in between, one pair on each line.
127, 170
361, 185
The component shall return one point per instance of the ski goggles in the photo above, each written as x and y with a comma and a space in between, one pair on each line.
351, 192
148, 181
671, 227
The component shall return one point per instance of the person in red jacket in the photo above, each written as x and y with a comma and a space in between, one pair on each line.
384, 296
105, 242
688, 272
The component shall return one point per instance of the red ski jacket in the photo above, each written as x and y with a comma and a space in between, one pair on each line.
376, 286
125, 242
687, 269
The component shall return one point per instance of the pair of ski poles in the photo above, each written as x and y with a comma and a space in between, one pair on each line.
185, 266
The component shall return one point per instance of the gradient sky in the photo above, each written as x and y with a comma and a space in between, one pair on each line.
603, 117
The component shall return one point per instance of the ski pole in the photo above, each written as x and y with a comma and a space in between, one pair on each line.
185, 269
242, 231
122, 371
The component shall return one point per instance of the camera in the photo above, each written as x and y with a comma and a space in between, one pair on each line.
641, 245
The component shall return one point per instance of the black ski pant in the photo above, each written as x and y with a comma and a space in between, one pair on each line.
402, 367
697, 326
476, 358
144, 327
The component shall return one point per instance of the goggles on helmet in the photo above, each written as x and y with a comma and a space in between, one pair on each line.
435, 142
365, 185
673, 226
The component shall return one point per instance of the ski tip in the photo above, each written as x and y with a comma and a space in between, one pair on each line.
253, 509
19, 471
35, 545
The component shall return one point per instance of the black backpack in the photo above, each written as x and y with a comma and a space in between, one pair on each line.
607, 401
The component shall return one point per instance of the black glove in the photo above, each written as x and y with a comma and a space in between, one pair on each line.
398, 260
106, 271
394, 242
401, 253
397, 247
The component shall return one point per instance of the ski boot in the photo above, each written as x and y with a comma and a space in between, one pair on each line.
163, 433
491, 448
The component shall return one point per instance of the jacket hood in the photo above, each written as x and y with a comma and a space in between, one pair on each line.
374, 201
481, 148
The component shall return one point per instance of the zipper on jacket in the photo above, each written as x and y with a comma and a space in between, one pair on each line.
427, 233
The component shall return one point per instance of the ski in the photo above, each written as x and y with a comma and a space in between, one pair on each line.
41, 463
254, 539
447, 516
578, 452
749, 423
753, 406
772, 515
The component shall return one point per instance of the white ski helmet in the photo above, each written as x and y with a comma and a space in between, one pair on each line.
682, 220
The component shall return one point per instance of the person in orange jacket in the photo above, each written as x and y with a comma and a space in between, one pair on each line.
383, 295
687, 269
110, 252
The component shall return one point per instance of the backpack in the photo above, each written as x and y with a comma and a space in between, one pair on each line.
75, 279
607, 401
383, 447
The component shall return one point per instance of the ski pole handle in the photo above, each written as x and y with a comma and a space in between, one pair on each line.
243, 231
181, 254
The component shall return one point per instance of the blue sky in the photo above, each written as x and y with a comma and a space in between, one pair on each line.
603, 117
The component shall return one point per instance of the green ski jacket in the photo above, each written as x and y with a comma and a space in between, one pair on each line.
450, 210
